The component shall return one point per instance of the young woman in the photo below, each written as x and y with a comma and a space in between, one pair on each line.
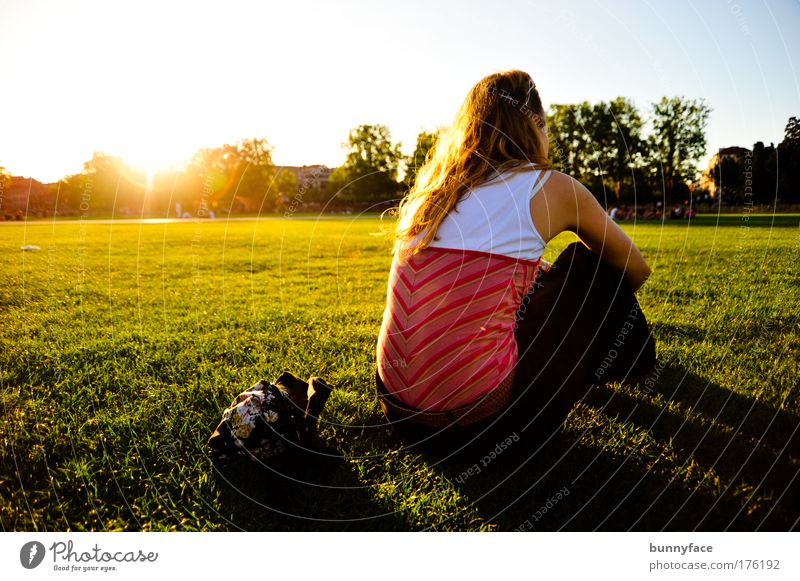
478, 331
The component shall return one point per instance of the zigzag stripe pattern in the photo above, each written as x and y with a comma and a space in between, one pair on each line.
447, 335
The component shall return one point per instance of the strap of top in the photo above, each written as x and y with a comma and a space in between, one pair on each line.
542, 179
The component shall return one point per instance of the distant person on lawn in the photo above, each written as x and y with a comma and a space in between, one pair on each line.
479, 334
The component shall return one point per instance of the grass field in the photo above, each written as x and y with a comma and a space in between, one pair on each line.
122, 343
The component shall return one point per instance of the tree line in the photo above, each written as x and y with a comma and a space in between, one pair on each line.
622, 155
765, 175
231, 178
604, 145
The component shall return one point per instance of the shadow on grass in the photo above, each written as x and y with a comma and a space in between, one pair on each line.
709, 459
314, 491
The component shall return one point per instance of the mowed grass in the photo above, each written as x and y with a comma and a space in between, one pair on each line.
123, 343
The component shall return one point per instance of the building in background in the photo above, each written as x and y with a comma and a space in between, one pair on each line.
25, 197
707, 180
309, 176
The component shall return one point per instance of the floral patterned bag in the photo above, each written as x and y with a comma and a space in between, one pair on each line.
270, 419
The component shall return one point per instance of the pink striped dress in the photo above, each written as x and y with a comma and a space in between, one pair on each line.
447, 335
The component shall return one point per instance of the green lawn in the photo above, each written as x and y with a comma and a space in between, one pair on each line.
120, 346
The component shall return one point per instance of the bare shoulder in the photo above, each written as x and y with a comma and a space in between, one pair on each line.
562, 185
555, 207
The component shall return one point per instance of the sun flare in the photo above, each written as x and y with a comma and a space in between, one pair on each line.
151, 159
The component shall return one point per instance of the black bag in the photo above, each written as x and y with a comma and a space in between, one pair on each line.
270, 420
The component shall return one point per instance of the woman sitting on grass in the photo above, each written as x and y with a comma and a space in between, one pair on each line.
479, 333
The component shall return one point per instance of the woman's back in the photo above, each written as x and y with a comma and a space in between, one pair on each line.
495, 217
448, 329
464, 322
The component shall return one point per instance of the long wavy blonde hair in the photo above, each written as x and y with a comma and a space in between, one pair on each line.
494, 131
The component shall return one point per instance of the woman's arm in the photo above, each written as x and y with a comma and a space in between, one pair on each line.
604, 237
565, 204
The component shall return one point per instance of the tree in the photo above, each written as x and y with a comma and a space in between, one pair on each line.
235, 177
425, 142
68, 192
286, 183
729, 180
369, 172
211, 178
256, 184
792, 132
678, 139
764, 173
570, 144
600, 145
623, 146
788, 163
4, 176
109, 184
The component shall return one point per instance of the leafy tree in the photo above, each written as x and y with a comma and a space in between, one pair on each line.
678, 139
622, 146
109, 184
256, 182
286, 183
211, 178
425, 142
729, 180
239, 176
5, 177
764, 173
67, 193
792, 132
369, 172
599, 144
788, 163
570, 143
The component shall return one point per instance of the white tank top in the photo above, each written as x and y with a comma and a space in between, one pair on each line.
495, 217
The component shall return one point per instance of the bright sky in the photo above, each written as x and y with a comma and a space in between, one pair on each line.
154, 81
